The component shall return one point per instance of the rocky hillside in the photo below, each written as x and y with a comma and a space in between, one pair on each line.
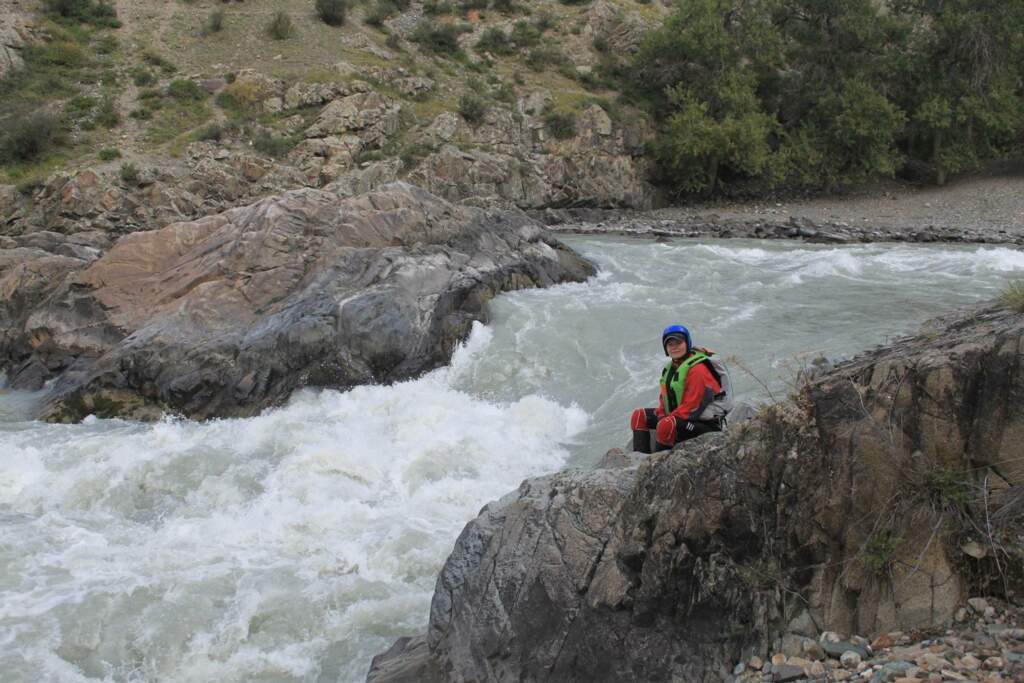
180, 109
877, 500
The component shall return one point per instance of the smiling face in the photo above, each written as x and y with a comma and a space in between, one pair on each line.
676, 347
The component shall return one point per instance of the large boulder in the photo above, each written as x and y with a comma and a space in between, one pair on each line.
846, 508
228, 314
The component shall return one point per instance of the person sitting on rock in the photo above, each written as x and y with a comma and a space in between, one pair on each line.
692, 398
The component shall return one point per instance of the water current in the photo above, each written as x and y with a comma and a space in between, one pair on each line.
295, 545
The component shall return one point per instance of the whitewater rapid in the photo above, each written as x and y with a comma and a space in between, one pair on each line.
294, 545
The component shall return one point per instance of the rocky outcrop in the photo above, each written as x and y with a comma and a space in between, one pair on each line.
13, 33
511, 159
230, 313
877, 499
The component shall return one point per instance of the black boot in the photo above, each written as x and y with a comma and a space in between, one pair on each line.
659, 447
642, 441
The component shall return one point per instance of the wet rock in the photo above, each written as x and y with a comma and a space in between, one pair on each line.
850, 659
229, 314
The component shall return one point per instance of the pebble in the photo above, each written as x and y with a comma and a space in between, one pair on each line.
993, 663
985, 644
979, 605
849, 659
970, 662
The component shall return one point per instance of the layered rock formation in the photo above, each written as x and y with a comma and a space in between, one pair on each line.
230, 313
879, 498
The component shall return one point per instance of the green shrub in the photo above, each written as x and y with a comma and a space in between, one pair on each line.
143, 77
432, 8
442, 39
467, 5
130, 173
472, 108
106, 45
280, 27
80, 107
382, 11
544, 21
153, 59
29, 138
495, 41
272, 145
106, 114
82, 11
600, 44
524, 34
213, 131
412, 154
214, 22
141, 114
561, 124
109, 154
185, 89
58, 53
505, 6
1012, 296
542, 57
332, 12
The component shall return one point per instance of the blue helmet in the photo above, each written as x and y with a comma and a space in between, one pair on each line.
676, 331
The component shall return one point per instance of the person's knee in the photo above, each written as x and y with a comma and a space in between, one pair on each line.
666, 431
638, 420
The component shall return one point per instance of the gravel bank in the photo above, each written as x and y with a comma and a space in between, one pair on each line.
983, 208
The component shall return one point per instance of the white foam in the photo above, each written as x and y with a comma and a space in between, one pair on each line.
306, 520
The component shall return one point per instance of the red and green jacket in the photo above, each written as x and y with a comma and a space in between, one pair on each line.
687, 390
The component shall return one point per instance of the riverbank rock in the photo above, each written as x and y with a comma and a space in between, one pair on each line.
229, 314
842, 509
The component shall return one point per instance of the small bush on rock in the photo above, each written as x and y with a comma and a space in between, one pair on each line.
272, 145
332, 12
472, 108
130, 173
109, 154
561, 124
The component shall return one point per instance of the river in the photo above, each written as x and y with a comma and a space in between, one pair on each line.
295, 545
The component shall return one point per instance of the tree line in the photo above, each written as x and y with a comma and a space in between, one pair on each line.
750, 96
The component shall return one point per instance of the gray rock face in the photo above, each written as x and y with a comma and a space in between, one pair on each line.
509, 160
230, 313
12, 41
676, 568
